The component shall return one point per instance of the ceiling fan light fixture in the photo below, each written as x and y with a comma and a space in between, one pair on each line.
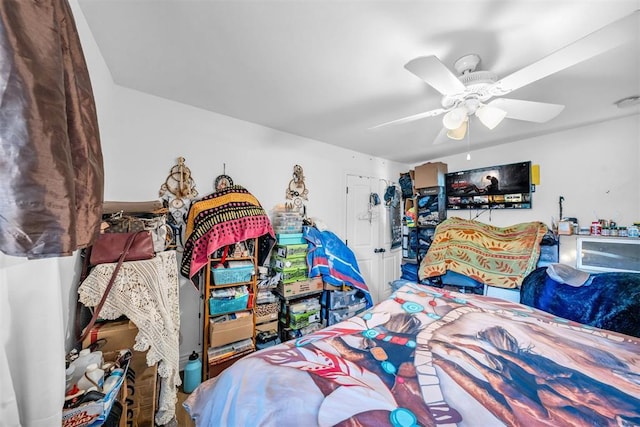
490, 116
459, 133
455, 118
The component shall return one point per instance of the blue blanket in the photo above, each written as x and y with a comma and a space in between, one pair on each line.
331, 258
607, 300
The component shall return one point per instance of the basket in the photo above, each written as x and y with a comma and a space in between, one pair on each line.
224, 305
237, 272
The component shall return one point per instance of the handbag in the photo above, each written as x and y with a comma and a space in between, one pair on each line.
127, 245
109, 247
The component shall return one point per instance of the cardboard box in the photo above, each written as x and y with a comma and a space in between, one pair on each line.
430, 175
292, 251
301, 287
268, 326
117, 334
221, 333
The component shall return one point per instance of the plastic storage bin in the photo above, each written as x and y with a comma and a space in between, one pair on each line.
227, 304
334, 300
237, 272
335, 316
290, 239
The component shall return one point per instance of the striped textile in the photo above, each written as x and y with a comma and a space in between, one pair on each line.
219, 219
495, 256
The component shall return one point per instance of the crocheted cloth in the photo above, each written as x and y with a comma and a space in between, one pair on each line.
222, 218
147, 293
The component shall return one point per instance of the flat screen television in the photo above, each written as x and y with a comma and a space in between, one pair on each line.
494, 187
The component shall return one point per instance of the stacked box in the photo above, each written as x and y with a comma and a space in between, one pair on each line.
280, 264
286, 222
291, 251
290, 239
299, 288
301, 313
228, 331
267, 312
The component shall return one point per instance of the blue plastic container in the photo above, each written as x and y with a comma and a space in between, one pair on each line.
192, 373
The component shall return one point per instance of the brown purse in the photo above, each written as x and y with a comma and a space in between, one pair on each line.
109, 247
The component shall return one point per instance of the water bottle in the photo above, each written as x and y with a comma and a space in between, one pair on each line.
192, 373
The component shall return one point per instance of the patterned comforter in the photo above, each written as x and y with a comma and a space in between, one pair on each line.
429, 357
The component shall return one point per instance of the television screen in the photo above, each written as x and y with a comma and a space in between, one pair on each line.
495, 187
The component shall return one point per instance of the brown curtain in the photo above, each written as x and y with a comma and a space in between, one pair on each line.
51, 170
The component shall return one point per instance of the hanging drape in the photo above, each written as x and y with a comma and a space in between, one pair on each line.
51, 172
51, 190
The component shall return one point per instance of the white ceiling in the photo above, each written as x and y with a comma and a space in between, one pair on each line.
329, 70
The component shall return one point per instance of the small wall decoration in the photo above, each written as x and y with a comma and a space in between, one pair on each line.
297, 190
177, 192
222, 182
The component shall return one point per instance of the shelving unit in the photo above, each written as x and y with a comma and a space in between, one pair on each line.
226, 341
430, 209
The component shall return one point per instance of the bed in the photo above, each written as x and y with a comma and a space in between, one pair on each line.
430, 357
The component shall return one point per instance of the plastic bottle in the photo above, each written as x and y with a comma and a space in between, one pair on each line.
111, 381
92, 379
192, 373
85, 358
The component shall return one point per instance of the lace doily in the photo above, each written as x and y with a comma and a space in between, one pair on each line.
147, 293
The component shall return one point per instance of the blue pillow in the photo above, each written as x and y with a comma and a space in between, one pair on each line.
456, 279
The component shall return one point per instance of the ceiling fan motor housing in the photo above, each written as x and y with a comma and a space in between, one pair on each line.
477, 85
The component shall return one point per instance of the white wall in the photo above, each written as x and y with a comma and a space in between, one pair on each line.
595, 169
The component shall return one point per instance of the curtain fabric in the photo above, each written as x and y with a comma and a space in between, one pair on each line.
51, 170
51, 191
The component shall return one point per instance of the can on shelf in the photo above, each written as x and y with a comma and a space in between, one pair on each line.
596, 228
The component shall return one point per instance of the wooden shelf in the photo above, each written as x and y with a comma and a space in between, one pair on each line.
210, 370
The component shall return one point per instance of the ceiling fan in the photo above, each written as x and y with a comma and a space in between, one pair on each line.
479, 93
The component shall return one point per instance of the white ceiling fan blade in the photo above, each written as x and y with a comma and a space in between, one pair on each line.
530, 111
435, 74
600, 41
418, 116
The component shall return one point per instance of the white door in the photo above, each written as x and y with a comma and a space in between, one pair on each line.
369, 235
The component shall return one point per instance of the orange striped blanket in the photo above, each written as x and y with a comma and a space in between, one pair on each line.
495, 256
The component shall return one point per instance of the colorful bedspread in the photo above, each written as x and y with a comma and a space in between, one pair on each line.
491, 255
432, 358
